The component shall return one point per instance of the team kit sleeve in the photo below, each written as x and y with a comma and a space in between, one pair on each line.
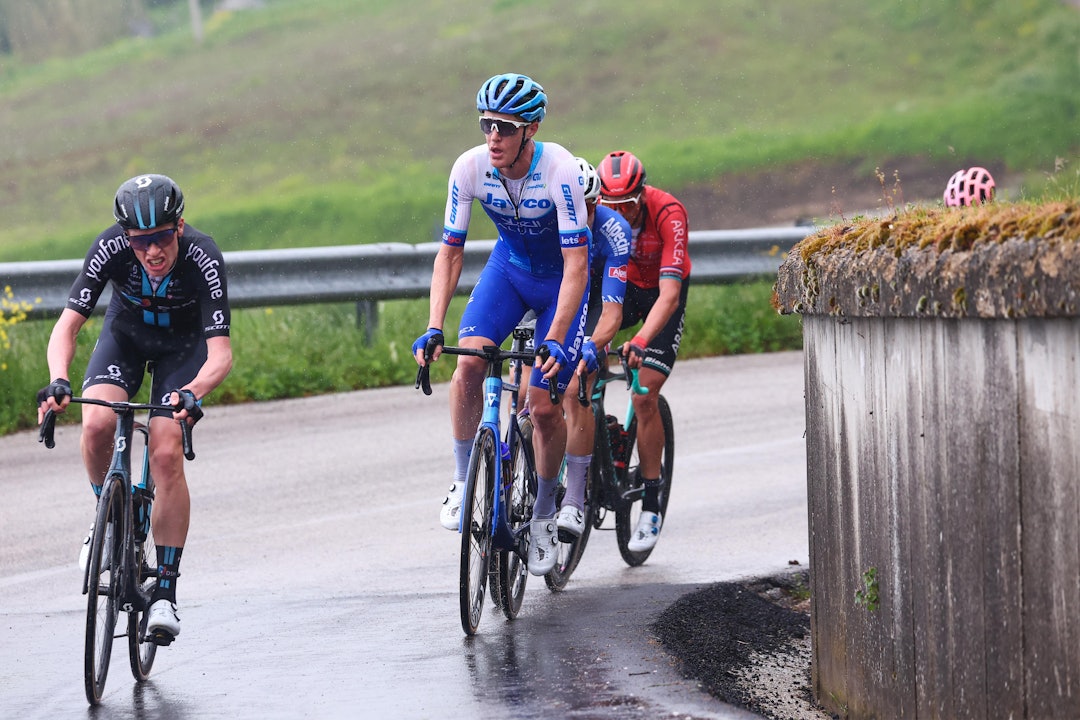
213, 288
568, 194
614, 235
459, 197
98, 266
674, 231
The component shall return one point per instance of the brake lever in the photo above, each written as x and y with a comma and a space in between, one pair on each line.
185, 438
553, 383
48, 425
423, 379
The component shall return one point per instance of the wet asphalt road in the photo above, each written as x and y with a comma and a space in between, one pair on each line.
317, 583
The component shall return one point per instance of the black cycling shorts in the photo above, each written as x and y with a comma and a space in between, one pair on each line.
660, 355
122, 354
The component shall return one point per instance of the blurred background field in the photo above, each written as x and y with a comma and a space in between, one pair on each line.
326, 122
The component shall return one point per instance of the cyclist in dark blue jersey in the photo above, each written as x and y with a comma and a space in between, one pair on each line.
533, 192
169, 307
608, 255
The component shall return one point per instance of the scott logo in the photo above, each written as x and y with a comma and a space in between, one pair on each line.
143, 181
121, 444
219, 317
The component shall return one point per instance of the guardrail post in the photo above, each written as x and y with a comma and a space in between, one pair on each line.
367, 319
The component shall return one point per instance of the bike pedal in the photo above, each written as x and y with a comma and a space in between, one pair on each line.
565, 536
161, 638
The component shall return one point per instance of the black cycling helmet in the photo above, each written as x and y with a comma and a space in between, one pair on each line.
146, 201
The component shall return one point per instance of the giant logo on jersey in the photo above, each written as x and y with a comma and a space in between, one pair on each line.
568, 196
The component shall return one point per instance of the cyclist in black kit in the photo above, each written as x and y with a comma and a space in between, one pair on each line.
170, 307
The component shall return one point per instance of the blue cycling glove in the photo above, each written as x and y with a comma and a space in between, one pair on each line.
556, 350
427, 342
589, 354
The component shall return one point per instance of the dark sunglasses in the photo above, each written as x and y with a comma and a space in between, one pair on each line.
504, 127
161, 238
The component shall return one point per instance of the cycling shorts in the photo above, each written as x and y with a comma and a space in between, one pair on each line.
660, 355
503, 294
122, 354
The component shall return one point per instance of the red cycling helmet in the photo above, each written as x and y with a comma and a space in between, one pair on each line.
973, 186
620, 174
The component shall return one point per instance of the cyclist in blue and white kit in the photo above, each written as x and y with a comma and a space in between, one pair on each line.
169, 306
533, 192
609, 255
609, 252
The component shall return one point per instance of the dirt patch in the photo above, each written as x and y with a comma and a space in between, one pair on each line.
811, 191
748, 644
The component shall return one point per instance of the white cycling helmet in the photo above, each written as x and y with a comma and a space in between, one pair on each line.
590, 178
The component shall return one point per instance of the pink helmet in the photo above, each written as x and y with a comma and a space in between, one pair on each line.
973, 186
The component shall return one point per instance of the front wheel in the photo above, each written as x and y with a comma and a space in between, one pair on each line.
141, 652
103, 586
476, 529
510, 567
626, 516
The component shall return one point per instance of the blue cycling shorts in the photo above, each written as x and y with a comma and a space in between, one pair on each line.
503, 294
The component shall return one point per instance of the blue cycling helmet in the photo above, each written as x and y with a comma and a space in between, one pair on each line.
513, 94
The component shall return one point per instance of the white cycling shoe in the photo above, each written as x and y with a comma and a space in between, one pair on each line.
646, 533
84, 551
162, 624
571, 523
543, 546
450, 513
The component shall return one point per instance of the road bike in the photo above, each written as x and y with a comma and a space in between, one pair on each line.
500, 489
613, 485
121, 571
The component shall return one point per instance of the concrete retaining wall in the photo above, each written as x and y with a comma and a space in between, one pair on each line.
943, 453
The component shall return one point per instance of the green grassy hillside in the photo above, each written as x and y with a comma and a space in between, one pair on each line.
322, 122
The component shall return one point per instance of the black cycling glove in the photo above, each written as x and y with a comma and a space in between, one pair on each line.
58, 388
189, 402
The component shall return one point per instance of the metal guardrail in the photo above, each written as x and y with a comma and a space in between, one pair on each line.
388, 271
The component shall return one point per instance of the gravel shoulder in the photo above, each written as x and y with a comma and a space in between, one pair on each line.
747, 643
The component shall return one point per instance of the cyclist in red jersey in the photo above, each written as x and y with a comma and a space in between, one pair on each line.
657, 283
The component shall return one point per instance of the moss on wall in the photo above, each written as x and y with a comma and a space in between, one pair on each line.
999, 260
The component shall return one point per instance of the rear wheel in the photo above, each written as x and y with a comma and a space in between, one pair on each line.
626, 516
141, 652
103, 587
476, 530
569, 553
511, 569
